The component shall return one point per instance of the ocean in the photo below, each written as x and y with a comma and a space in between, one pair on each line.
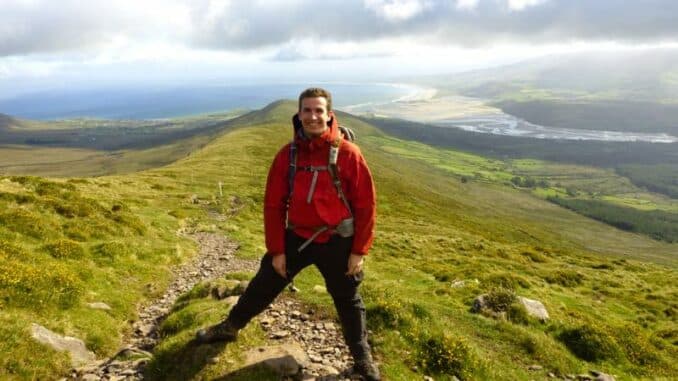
173, 101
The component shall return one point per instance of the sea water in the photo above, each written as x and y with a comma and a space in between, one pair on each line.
153, 102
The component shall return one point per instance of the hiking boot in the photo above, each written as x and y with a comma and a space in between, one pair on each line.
224, 331
367, 369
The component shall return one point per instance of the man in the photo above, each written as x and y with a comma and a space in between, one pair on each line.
319, 209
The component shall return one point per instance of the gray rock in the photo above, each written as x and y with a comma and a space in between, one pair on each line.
280, 334
131, 352
75, 347
600, 376
99, 306
535, 367
534, 308
231, 300
319, 289
286, 360
479, 303
266, 321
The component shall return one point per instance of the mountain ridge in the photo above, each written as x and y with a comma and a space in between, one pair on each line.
119, 234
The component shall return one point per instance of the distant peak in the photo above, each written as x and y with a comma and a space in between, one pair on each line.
7, 121
279, 103
4, 118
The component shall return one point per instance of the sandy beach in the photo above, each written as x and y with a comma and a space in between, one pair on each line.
424, 105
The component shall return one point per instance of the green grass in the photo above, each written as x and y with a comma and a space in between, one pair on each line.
432, 229
573, 184
655, 223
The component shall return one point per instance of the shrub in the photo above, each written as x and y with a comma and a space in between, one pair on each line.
10, 250
420, 312
445, 354
83, 229
31, 286
74, 207
111, 250
499, 299
565, 278
535, 256
49, 188
590, 343
386, 313
95, 342
517, 313
64, 249
529, 345
24, 222
18, 198
506, 280
130, 221
636, 346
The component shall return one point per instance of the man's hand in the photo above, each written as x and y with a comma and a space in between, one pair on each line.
280, 265
355, 264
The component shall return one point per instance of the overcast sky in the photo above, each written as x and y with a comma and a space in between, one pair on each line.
76, 41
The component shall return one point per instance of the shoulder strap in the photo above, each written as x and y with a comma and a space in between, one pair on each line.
332, 168
334, 171
292, 171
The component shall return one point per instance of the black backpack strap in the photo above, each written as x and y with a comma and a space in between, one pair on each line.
292, 171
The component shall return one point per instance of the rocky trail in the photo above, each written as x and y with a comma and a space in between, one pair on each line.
315, 344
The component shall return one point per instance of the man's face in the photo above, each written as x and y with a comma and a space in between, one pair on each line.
314, 116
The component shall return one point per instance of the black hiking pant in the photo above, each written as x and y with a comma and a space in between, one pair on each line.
331, 259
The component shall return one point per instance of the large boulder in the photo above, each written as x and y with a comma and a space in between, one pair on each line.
534, 308
75, 347
285, 359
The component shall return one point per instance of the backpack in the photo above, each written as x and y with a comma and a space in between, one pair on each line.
331, 166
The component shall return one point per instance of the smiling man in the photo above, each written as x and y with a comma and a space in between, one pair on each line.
319, 209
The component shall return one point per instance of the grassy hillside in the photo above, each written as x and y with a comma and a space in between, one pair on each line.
97, 147
433, 229
645, 117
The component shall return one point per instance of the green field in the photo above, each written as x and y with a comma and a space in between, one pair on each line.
442, 216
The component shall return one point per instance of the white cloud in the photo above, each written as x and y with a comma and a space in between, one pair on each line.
397, 10
467, 4
519, 5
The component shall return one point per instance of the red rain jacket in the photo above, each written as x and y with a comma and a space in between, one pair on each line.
326, 207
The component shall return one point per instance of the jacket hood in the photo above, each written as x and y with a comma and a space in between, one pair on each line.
329, 135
